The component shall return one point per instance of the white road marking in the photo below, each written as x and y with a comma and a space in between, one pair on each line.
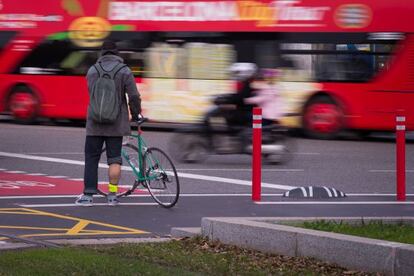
16, 171
76, 179
305, 194
36, 174
134, 195
57, 153
239, 169
307, 153
375, 194
94, 204
2, 169
56, 176
334, 202
328, 191
180, 174
388, 171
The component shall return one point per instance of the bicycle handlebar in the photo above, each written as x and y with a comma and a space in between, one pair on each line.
141, 120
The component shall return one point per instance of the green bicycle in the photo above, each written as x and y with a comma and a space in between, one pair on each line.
150, 169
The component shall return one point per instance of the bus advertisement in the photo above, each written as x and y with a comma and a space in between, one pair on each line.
345, 64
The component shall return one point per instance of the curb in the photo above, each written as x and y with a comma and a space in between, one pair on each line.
185, 232
268, 235
103, 241
106, 241
15, 246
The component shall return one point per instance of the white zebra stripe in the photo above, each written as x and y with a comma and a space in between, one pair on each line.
327, 191
310, 191
334, 192
305, 194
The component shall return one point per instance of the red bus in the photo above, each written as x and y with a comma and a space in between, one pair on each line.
346, 64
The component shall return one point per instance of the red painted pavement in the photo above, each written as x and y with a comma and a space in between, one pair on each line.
16, 184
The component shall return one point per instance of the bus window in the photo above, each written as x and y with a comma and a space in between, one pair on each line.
5, 37
135, 61
62, 58
78, 62
45, 58
338, 62
190, 60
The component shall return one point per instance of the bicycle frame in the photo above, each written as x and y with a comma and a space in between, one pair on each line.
142, 147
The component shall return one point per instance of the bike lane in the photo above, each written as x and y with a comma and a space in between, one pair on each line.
13, 184
34, 223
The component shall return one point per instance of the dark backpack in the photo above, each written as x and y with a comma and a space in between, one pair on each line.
104, 104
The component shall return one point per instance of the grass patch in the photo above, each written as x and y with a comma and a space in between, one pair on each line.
178, 257
399, 232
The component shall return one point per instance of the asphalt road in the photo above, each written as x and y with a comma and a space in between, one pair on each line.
364, 169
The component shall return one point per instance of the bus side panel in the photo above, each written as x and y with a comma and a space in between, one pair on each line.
393, 90
350, 97
59, 96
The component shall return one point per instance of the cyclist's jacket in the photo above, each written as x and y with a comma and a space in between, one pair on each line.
125, 85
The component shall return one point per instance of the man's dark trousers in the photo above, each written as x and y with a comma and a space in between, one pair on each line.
93, 150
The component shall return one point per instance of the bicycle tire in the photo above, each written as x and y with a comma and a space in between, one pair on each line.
288, 148
158, 164
127, 177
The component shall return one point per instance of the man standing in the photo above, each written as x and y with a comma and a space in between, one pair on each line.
108, 69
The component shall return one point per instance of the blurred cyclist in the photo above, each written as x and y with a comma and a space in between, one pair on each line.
267, 96
245, 73
241, 112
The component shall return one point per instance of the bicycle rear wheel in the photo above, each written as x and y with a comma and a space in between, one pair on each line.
162, 183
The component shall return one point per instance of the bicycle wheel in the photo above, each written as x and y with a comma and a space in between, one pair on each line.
280, 150
162, 183
128, 179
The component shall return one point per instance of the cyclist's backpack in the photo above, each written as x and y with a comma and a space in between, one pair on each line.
104, 104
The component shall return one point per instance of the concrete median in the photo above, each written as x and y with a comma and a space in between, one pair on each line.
271, 235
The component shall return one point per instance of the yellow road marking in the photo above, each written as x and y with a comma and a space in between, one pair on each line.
18, 213
10, 209
77, 230
31, 228
78, 227
79, 234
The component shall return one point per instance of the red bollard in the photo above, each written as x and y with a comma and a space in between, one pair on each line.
257, 154
400, 137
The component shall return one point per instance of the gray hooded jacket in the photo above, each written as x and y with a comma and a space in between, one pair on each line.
125, 84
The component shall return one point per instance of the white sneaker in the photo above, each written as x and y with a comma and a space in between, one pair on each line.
84, 200
112, 199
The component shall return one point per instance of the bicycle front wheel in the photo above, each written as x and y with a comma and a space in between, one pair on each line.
162, 179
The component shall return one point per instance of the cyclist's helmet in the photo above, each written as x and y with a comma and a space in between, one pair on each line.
243, 70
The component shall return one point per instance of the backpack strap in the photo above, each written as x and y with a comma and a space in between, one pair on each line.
100, 73
111, 73
116, 69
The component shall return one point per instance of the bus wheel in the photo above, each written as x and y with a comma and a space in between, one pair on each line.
23, 105
323, 118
